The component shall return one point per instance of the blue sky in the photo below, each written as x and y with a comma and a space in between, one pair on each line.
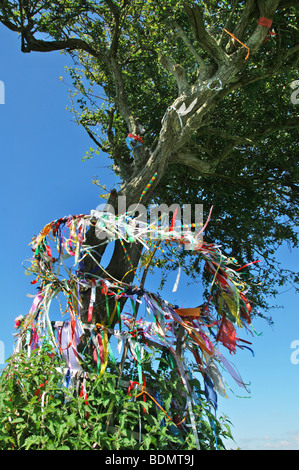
43, 178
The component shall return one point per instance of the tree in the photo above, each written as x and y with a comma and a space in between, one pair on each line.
235, 149
210, 83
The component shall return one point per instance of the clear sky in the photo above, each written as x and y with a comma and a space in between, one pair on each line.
43, 178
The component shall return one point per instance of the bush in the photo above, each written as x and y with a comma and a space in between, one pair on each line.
39, 412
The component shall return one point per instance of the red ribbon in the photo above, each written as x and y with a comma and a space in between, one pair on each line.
262, 21
39, 388
49, 253
131, 386
84, 394
248, 264
92, 297
135, 137
270, 33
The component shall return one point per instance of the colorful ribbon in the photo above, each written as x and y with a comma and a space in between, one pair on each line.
205, 327
238, 40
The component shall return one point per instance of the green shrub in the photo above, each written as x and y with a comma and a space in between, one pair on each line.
38, 412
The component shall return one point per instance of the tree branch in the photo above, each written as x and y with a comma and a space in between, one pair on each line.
275, 127
70, 44
288, 4
121, 100
267, 9
292, 50
177, 71
77, 44
204, 69
193, 160
98, 144
248, 13
206, 41
209, 131
116, 32
260, 134
228, 25
4, 18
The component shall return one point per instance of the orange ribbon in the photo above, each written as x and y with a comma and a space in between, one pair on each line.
189, 312
234, 38
152, 398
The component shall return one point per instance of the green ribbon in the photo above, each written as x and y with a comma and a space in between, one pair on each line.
118, 314
107, 310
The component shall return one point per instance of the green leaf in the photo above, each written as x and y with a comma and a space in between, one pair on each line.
34, 441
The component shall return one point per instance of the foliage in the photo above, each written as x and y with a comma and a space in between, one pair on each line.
38, 411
